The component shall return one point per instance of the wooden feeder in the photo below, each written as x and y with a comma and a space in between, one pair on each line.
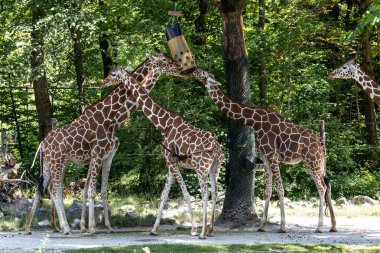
179, 49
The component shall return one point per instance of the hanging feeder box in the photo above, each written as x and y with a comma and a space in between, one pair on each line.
179, 49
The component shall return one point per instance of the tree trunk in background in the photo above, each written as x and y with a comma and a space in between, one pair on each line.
238, 207
76, 36
366, 64
38, 77
103, 42
200, 23
262, 63
15, 117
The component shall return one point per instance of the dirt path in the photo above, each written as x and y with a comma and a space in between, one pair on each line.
359, 231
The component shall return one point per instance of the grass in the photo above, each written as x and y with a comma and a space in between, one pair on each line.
231, 248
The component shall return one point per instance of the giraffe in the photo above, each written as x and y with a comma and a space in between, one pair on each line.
351, 69
90, 140
278, 140
184, 146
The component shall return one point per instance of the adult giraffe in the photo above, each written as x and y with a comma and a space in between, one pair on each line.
184, 146
351, 69
90, 140
278, 140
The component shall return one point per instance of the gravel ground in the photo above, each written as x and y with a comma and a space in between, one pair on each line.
360, 231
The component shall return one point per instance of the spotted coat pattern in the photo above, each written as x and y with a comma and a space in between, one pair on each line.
184, 146
351, 69
278, 140
90, 140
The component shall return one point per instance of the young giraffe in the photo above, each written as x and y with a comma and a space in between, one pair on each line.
90, 139
278, 140
184, 146
351, 69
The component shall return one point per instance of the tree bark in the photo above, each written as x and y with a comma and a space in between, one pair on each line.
15, 117
238, 207
103, 42
262, 62
368, 104
76, 35
200, 23
38, 76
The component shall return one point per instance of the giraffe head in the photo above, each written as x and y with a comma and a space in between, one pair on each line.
345, 71
165, 64
115, 76
205, 77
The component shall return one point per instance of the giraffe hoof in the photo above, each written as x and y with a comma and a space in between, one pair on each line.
210, 235
92, 231
66, 232
194, 233
83, 230
55, 230
261, 230
28, 232
333, 230
203, 237
153, 233
318, 231
281, 231
110, 231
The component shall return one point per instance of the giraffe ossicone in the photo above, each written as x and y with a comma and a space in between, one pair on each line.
278, 140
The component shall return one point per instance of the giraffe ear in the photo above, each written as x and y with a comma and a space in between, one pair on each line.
212, 82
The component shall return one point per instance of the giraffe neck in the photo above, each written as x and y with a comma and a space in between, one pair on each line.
369, 85
157, 115
148, 74
119, 104
247, 115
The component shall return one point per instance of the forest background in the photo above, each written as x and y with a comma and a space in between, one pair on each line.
292, 45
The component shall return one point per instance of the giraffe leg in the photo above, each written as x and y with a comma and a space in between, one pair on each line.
95, 165
204, 190
214, 174
268, 194
37, 196
331, 209
57, 197
177, 175
105, 174
164, 197
280, 192
316, 170
84, 204
52, 216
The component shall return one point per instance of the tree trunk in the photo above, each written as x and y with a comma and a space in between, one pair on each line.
368, 104
38, 77
76, 35
200, 23
238, 207
103, 42
262, 62
14, 112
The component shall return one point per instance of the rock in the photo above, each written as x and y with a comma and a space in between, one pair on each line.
146, 206
377, 196
44, 223
286, 202
75, 224
127, 209
75, 211
42, 211
360, 200
23, 206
